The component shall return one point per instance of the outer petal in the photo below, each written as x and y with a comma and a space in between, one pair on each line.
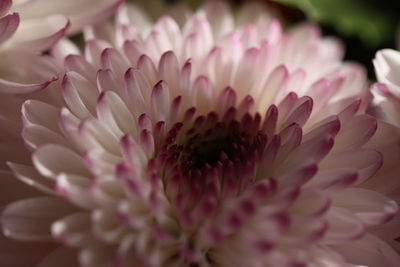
387, 68
8, 26
369, 251
5, 6
81, 13
17, 79
30, 219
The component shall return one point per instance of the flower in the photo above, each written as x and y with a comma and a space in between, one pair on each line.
213, 143
35, 26
387, 90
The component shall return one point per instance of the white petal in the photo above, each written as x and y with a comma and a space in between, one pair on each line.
372, 207
29, 175
369, 251
51, 160
73, 230
30, 219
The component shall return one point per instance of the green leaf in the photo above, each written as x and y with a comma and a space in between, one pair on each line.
349, 17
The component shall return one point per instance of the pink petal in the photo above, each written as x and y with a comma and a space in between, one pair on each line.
5, 6
9, 87
106, 80
112, 59
148, 68
275, 87
132, 50
202, 90
133, 152
93, 50
245, 76
169, 72
334, 180
112, 111
160, 101
79, 94
97, 136
300, 112
312, 150
77, 63
355, 132
8, 26
69, 126
138, 90
367, 161
344, 226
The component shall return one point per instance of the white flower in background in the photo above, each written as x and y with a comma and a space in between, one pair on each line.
387, 90
219, 141
386, 107
29, 27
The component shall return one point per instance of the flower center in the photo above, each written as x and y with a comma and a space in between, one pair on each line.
213, 143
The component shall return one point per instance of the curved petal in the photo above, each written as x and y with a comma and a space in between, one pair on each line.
81, 13
51, 160
29, 176
16, 78
371, 207
369, 251
30, 219
46, 42
5, 6
9, 87
8, 26
387, 64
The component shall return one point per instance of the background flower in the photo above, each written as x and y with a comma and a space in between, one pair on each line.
35, 26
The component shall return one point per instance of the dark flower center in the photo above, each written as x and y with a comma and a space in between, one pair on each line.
211, 142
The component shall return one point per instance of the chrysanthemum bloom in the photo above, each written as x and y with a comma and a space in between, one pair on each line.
213, 143
30, 28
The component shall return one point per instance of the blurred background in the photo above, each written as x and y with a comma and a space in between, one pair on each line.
365, 26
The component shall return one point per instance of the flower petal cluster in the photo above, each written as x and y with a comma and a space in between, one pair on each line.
208, 141
28, 28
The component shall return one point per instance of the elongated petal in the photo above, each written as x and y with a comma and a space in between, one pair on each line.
30, 219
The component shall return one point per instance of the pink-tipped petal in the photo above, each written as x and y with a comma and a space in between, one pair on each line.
8, 26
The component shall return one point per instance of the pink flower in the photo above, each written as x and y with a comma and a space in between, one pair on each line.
213, 143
